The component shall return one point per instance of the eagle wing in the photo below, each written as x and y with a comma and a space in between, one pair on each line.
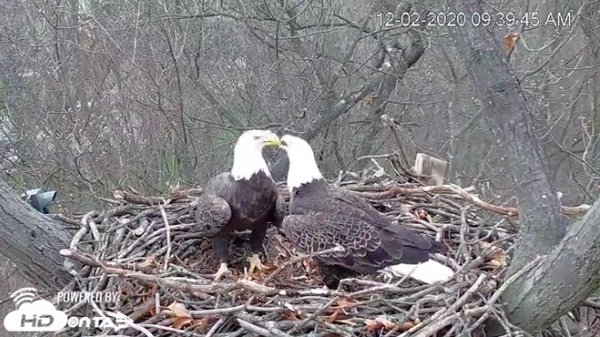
316, 232
345, 199
221, 184
213, 212
372, 242
281, 210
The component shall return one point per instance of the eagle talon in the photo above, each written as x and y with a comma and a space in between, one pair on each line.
223, 270
255, 264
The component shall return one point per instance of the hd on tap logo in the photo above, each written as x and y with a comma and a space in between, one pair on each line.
36, 314
33, 315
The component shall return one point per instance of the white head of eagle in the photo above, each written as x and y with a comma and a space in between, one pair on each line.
247, 154
303, 166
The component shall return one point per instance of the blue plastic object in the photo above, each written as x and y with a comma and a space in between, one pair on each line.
39, 199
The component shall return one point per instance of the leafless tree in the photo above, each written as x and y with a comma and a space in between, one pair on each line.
96, 96
540, 297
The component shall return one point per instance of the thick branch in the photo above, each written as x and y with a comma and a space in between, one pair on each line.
568, 276
32, 241
510, 121
511, 211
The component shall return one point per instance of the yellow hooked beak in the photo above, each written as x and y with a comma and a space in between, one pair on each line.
273, 141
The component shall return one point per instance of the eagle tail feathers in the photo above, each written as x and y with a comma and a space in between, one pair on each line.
427, 272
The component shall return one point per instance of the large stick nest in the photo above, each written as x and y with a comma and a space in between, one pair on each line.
145, 249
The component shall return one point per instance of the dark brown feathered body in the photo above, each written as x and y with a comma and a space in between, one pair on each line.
322, 216
237, 205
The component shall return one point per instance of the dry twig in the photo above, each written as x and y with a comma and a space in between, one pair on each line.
145, 249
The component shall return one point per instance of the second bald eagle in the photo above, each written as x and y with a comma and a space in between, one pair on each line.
245, 198
323, 216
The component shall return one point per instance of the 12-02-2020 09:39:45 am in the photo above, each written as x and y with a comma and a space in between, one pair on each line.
460, 19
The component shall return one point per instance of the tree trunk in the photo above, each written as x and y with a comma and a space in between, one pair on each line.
511, 123
589, 21
569, 274
32, 241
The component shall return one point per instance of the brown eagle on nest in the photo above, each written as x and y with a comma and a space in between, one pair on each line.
244, 199
323, 216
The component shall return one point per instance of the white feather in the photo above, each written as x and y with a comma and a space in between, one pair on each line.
303, 166
247, 155
427, 272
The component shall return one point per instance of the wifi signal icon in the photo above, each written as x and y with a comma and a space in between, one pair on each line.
23, 295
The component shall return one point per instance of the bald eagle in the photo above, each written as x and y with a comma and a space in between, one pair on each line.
244, 199
323, 216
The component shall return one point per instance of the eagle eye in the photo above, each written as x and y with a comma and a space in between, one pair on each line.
256, 137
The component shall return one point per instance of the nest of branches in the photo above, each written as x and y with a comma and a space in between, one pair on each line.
145, 249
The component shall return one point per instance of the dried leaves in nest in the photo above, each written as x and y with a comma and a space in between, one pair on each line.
145, 248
